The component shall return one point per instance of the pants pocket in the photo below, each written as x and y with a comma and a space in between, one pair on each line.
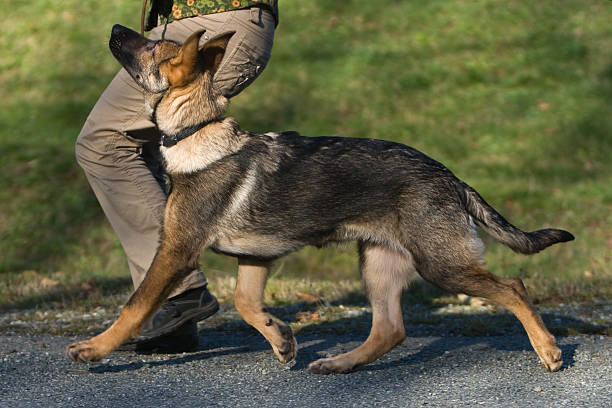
241, 69
247, 59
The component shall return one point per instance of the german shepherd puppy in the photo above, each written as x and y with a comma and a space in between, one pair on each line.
258, 197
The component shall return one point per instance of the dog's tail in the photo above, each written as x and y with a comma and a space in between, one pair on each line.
500, 229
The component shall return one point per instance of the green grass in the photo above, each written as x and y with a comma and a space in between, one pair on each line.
515, 98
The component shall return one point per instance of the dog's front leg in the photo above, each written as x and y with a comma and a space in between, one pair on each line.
248, 299
171, 264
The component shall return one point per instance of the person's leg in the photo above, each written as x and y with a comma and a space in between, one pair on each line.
129, 194
132, 198
110, 145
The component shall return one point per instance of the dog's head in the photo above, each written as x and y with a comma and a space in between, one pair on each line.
159, 65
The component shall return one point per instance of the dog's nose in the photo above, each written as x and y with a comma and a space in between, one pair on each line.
117, 39
123, 32
118, 29
121, 36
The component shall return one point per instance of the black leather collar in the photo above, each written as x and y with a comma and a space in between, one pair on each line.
169, 141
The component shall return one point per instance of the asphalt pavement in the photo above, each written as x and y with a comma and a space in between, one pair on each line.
238, 369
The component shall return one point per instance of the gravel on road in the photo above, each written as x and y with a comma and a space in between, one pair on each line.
238, 369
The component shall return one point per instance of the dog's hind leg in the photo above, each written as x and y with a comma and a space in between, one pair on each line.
385, 272
248, 299
478, 281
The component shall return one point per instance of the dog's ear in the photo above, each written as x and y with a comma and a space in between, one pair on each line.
182, 69
213, 51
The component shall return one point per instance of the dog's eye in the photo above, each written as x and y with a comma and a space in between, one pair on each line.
138, 78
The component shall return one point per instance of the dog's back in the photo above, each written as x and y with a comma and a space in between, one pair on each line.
313, 191
293, 191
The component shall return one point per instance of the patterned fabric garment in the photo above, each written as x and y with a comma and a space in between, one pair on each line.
169, 10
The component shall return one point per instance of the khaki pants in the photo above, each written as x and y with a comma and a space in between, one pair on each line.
112, 145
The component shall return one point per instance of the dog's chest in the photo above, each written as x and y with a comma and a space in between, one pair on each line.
188, 156
203, 148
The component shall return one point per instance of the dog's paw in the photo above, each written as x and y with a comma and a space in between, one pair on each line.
331, 365
84, 352
281, 338
287, 350
550, 356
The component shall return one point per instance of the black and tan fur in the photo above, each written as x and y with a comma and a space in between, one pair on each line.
260, 196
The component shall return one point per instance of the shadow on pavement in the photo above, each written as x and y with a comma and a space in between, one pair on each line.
439, 336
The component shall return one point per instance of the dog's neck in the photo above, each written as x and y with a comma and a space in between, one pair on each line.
196, 105
189, 105
204, 147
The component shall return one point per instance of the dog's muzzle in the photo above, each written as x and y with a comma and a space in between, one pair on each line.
124, 42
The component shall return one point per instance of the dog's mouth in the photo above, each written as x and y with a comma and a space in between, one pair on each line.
115, 46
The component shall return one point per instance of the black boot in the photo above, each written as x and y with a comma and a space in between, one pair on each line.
174, 327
